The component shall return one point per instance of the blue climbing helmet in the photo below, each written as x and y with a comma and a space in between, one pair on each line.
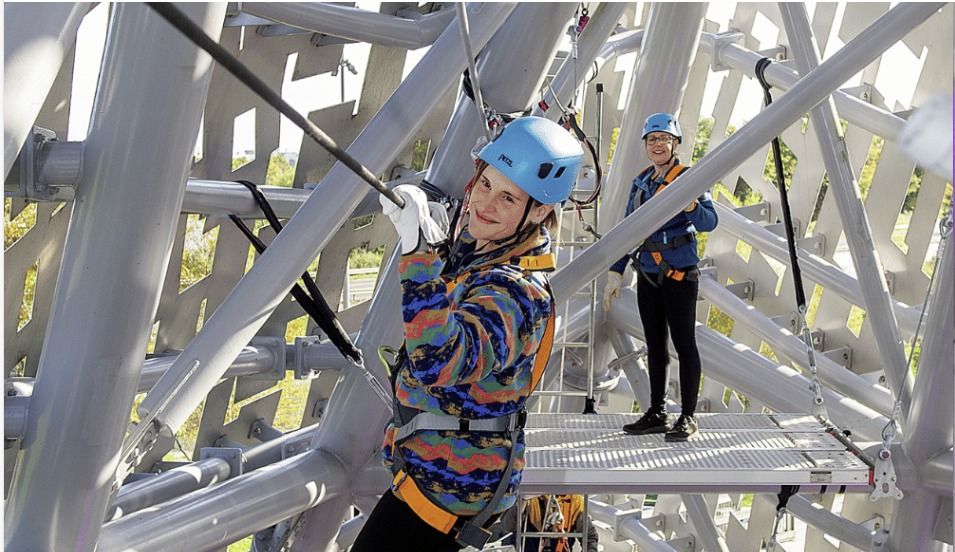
662, 122
537, 155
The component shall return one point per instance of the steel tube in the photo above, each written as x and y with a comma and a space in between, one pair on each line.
928, 428
354, 23
212, 518
936, 473
814, 267
114, 260
831, 524
789, 345
263, 288
845, 190
631, 528
705, 529
778, 387
167, 485
36, 40
252, 360
809, 91
212, 197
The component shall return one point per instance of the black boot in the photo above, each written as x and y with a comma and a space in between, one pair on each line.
684, 428
654, 421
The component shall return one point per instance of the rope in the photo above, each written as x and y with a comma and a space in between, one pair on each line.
193, 32
472, 68
818, 405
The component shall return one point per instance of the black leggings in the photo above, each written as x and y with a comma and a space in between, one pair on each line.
671, 307
394, 527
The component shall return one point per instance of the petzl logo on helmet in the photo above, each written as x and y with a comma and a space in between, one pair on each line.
506, 160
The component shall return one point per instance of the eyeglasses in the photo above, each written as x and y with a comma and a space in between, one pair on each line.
660, 139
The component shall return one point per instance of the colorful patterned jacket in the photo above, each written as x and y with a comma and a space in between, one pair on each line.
471, 351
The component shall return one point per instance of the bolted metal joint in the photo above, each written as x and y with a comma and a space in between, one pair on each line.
47, 169
233, 456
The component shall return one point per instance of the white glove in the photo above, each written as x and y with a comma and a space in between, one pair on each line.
414, 220
612, 289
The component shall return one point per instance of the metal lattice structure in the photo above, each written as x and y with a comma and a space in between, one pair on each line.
102, 313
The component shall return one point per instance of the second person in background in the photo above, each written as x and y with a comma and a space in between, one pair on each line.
668, 282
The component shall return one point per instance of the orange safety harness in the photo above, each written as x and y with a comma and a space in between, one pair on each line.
655, 249
408, 421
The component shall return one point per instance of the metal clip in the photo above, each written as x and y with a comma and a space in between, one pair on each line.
885, 479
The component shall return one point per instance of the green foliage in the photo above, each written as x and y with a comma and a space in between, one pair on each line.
419, 155
612, 146
280, 172
239, 161
16, 228
703, 133
198, 252
363, 257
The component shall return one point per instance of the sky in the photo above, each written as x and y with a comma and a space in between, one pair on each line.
897, 84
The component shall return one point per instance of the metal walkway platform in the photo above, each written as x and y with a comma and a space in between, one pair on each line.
591, 454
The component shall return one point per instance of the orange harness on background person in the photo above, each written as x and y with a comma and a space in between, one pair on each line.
405, 487
655, 249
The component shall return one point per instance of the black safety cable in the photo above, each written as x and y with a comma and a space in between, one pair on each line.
193, 32
818, 408
312, 302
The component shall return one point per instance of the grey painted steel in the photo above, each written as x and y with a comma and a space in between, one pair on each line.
211, 518
789, 345
658, 84
212, 197
630, 528
936, 473
778, 387
833, 525
856, 111
928, 428
117, 249
36, 40
532, 30
355, 24
845, 190
252, 360
264, 287
15, 412
809, 91
702, 522
167, 485
813, 266
572, 74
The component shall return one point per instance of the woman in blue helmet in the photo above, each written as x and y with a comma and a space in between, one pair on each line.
478, 324
668, 283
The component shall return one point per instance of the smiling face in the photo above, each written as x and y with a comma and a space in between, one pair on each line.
496, 207
660, 147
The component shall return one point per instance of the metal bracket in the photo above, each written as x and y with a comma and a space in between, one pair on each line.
815, 244
779, 228
277, 346
720, 42
301, 369
233, 456
778, 53
818, 339
885, 480
890, 281
744, 290
261, 430
788, 321
841, 355
758, 212
864, 92
687, 543
296, 446
619, 517
47, 170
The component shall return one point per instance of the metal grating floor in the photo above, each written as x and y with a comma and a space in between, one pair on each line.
591, 453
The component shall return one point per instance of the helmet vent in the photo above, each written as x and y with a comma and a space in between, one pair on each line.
544, 170
559, 172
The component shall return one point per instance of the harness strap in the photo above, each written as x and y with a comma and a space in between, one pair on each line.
443, 422
655, 248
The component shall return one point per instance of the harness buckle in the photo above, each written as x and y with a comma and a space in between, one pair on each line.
474, 535
464, 425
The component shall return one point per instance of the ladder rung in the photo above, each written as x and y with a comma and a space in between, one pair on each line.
577, 344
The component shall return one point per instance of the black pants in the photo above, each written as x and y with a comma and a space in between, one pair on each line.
670, 308
394, 527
